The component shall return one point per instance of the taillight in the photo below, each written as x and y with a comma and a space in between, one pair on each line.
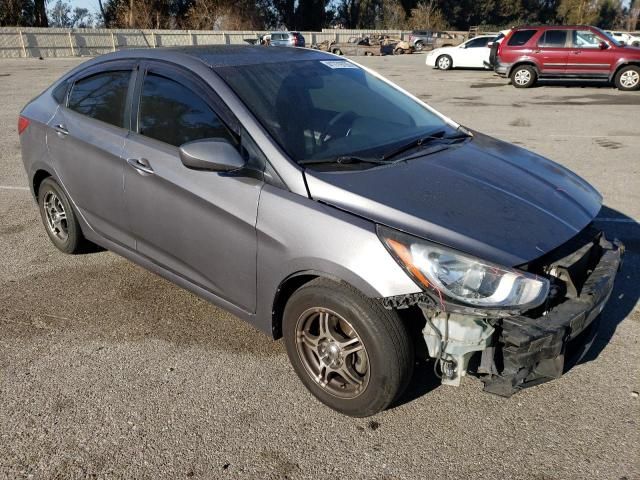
23, 123
295, 40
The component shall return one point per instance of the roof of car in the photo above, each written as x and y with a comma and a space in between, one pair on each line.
217, 56
550, 27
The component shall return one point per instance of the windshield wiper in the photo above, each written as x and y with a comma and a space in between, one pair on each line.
342, 160
418, 142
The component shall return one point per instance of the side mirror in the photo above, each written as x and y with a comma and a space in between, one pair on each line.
213, 154
603, 45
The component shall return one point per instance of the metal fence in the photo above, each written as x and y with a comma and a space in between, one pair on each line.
60, 42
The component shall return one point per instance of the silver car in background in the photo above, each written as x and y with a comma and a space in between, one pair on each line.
286, 39
323, 204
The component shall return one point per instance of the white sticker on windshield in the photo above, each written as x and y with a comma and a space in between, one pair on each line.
338, 64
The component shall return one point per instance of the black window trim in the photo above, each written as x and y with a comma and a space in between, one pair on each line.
104, 67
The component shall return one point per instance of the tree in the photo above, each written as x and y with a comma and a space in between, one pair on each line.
16, 13
40, 13
426, 15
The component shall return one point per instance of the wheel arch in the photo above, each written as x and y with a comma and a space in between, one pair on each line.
295, 281
621, 65
37, 178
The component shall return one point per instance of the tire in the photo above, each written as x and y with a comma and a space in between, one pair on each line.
628, 78
398, 51
59, 219
379, 371
444, 62
337, 51
368, 54
524, 76
419, 46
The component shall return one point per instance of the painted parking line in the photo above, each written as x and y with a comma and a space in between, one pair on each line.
11, 187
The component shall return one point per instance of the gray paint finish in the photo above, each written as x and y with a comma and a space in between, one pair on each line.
234, 239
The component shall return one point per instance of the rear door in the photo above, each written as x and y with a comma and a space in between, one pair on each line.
554, 47
86, 140
587, 58
199, 225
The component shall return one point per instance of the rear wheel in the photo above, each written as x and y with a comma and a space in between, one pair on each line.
524, 76
444, 62
349, 351
59, 218
419, 46
628, 78
368, 54
337, 51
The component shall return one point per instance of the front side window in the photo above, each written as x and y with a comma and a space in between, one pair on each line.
553, 39
173, 114
586, 39
324, 109
520, 38
102, 96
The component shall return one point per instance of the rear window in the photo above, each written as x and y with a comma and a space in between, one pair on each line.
520, 38
102, 96
554, 38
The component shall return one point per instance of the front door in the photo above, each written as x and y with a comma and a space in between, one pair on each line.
587, 57
197, 224
86, 139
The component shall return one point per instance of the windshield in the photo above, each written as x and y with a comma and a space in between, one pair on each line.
325, 109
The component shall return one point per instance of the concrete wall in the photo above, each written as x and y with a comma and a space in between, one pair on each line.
59, 42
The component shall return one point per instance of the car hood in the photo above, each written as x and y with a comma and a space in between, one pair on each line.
484, 197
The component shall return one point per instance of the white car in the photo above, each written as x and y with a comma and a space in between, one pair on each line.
627, 38
473, 53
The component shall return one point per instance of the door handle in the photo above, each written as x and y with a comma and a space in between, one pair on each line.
577, 52
140, 165
61, 130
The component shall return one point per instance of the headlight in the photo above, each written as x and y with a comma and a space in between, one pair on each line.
463, 278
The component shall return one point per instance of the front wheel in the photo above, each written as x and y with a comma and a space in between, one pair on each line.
628, 78
337, 51
444, 62
524, 76
348, 350
419, 46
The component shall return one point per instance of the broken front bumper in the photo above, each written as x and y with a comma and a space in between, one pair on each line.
512, 352
530, 351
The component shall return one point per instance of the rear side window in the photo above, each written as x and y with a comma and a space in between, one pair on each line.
520, 38
173, 114
554, 38
60, 92
102, 96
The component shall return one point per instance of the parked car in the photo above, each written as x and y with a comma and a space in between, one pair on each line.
323, 204
358, 46
277, 39
626, 38
428, 39
568, 52
473, 53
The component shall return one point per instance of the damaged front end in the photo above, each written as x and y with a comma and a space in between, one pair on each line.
511, 349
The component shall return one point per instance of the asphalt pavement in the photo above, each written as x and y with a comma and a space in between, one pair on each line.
108, 371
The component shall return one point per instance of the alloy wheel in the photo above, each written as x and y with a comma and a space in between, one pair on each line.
332, 352
522, 77
56, 216
630, 79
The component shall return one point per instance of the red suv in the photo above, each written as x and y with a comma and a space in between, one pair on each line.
581, 52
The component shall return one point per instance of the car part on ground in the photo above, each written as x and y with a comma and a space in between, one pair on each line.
531, 53
236, 144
